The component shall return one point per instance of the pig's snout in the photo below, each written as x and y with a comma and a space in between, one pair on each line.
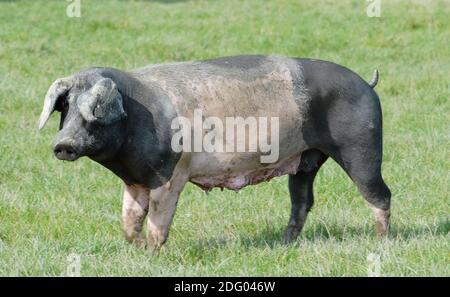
65, 151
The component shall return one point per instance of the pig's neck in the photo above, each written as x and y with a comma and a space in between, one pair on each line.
146, 156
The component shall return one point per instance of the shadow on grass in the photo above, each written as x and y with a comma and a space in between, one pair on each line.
271, 237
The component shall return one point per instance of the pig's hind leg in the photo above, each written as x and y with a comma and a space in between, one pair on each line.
366, 174
301, 191
361, 159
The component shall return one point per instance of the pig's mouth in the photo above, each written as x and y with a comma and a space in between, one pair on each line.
65, 152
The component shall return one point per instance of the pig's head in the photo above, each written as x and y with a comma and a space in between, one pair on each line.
92, 117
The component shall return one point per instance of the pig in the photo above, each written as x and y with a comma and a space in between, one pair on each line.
125, 120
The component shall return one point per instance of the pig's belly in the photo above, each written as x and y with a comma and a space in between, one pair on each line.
235, 171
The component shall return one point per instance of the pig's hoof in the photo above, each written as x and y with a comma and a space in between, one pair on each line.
382, 230
290, 235
138, 240
141, 243
154, 245
153, 250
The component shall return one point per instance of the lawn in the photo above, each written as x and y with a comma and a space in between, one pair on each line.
52, 212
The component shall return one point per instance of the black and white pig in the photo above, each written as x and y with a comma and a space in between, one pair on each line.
124, 120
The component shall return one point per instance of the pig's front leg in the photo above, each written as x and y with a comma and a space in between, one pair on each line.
163, 203
134, 210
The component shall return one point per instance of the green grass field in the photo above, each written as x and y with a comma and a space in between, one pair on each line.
51, 209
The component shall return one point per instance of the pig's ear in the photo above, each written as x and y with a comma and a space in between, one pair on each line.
102, 103
57, 90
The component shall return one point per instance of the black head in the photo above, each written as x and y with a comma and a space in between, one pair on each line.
92, 117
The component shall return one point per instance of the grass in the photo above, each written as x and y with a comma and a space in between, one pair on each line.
51, 209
